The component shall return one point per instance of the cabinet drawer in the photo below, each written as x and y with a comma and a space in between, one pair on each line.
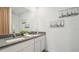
37, 39
43, 37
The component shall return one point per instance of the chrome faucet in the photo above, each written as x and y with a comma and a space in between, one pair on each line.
14, 35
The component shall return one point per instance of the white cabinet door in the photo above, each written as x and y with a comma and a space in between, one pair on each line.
17, 47
12, 48
42, 43
37, 45
28, 49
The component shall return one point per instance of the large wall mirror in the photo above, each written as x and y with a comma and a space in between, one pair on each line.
24, 17
20, 19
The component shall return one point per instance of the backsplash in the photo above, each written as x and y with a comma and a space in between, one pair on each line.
8, 36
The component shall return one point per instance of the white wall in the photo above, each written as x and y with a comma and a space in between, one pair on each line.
74, 33
59, 39
10, 20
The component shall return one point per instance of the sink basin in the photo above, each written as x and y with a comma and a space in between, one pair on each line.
15, 40
32, 35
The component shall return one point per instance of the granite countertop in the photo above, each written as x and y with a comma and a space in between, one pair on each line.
5, 43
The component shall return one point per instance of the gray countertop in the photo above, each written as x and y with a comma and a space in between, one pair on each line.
5, 43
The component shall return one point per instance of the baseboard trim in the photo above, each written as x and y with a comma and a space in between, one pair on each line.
44, 50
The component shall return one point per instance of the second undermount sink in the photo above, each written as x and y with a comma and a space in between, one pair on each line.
15, 40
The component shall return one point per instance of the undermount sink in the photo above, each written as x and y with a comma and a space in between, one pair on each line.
15, 40
32, 35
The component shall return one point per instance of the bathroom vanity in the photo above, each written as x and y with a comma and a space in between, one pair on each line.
32, 43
